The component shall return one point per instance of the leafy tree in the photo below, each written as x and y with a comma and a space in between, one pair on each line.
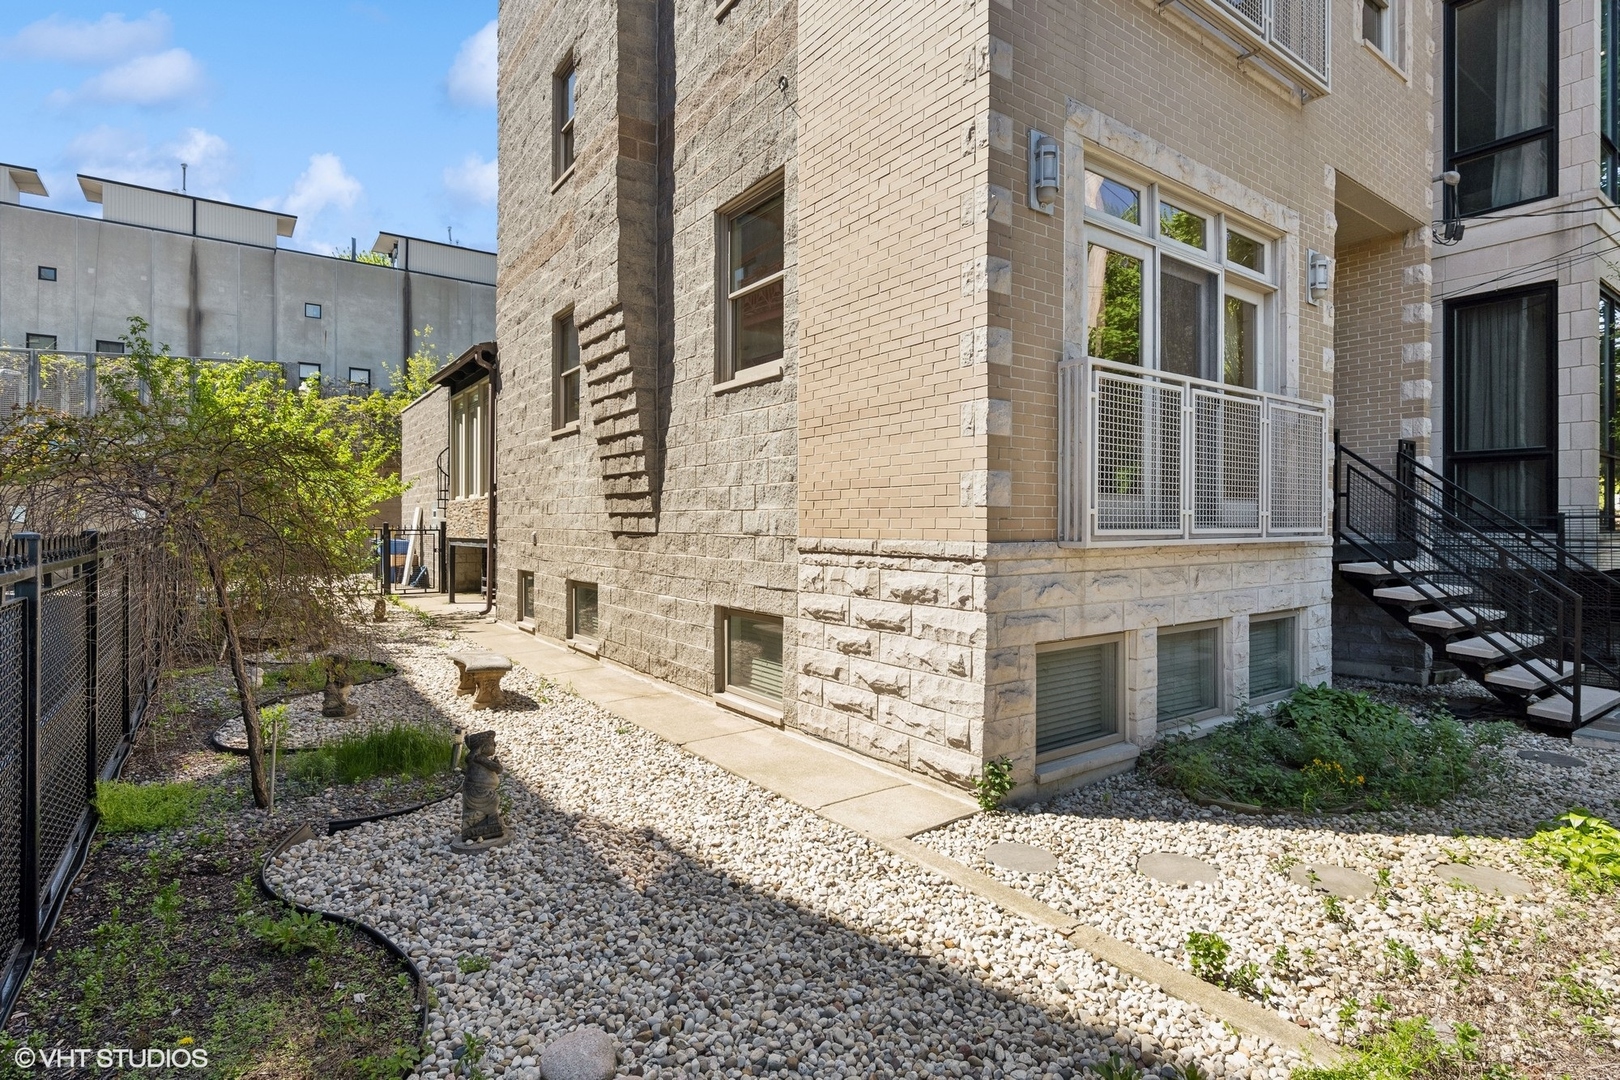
263, 491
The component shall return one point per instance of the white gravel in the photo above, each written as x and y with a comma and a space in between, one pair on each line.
717, 929
382, 703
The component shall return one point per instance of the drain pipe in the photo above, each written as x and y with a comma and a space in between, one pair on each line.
490, 363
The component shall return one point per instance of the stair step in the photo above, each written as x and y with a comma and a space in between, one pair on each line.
1519, 677
1419, 594
1493, 646
1595, 701
1376, 569
1446, 622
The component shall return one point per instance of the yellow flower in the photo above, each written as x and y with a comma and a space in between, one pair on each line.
185, 1041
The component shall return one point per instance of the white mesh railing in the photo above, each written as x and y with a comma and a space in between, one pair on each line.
1146, 455
1301, 28
1297, 32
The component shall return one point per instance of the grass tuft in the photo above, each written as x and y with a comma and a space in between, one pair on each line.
1410, 1049
128, 808
414, 749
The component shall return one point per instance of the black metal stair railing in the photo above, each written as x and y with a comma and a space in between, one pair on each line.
1462, 569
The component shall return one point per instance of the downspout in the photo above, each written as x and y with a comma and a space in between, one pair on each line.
491, 366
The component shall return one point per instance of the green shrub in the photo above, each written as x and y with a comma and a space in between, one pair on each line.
418, 749
1207, 954
126, 808
991, 786
1585, 845
1329, 749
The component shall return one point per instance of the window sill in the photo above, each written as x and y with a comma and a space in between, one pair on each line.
563, 179
571, 428
1101, 757
756, 710
749, 376
1197, 729
590, 648
1383, 56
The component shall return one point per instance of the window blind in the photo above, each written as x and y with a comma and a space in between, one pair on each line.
1076, 695
1271, 657
1187, 674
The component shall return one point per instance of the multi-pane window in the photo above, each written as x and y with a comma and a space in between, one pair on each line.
469, 465
1501, 434
1500, 102
753, 656
563, 87
1609, 95
525, 596
582, 622
1608, 435
565, 371
1189, 674
1077, 697
754, 264
1272, 664
1173, 286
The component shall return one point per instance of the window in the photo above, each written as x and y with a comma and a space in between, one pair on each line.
565, 372
39, 341
1189, 674
469, 467
752, 281
525, 596
309, 373
582, 621
312, 311
753, 656
563, 88
109, 348
1500, 361
1076, 696
1499, 98
47, 273
360, 376
1174, 287
1608, 435
1271, 657
1608, 88
1378, 26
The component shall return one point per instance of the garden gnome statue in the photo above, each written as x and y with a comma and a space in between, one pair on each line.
335, 698
481, 824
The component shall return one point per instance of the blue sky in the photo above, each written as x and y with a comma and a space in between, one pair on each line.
356, 117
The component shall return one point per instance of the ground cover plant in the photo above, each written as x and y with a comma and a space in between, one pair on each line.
309, 676
1332, 749
127, 808
414, 750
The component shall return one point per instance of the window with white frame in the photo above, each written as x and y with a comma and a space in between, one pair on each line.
753, 267
1378, 26
469, 469
1273, 649
525, 596
753, 656
565, 371
1174, 285
1077, 696
1189, 674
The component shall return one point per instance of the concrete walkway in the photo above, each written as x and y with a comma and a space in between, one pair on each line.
885, 805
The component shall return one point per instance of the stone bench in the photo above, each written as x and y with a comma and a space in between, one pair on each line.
479, 674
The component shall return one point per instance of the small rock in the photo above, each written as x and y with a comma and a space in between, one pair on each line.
586, 1053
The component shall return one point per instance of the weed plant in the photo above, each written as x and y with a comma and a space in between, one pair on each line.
129, 808
994, 784
1327, 748
1409, 1050
403, 749
1585, 845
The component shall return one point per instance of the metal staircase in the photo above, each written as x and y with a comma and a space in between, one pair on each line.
1511, 607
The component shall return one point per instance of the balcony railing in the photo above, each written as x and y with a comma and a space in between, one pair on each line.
1151, 457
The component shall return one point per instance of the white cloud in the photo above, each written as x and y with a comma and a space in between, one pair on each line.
471, 82
79, 41
118, 154
160, 79
474, 180
323, 184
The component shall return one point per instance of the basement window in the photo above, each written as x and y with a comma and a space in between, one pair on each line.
525, 596
1273, 666
1189, 675
1077, 696
753, 656
582, 611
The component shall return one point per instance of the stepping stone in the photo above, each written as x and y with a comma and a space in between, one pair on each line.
1484, 878
1547, 757
1176, 869
1337, 880
1024, 858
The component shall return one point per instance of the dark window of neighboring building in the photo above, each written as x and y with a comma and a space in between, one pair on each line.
1500, 360
565, 371
109, 348
752, 282
312, 311
753, 660
40, 341
361, 376
1500, 101
309, 373
1609, 92
1076, 696
1608, 437
562, 92
47, 273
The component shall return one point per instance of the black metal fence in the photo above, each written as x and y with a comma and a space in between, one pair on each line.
79, 633
410, 560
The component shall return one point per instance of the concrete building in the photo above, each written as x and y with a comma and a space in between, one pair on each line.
952, 382
211, 281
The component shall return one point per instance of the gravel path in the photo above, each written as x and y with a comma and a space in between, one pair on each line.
379, 704
717, 929
1419, 946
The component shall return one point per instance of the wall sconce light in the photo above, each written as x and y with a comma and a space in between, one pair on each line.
1043, 171
1318, 275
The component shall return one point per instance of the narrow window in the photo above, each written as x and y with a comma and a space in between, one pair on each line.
563, 86
753, 282
753, 660
1272, 664
1609, 95
525, 596
1076, 696
582, 622
40, 341
565, 371
469, 472
47, 273
1187, 314
1189, 686
360, 376
109, 348
312, 311
1113, 305
1500, 102
1376, 16
1608, 434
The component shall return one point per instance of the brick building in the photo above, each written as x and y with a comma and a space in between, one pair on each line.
953, 381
